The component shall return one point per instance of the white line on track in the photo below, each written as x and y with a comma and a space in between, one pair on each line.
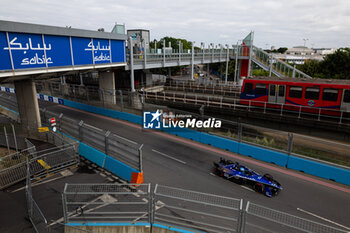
168, 156
324, 219
43, 181
212, 174
245, 187
128, 140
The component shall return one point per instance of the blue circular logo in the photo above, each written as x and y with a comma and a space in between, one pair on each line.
311, 103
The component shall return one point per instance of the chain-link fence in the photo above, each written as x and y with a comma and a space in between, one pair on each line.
43, 162
178, 208
35, 215
107, 203
107, 142
195, 210
261, 219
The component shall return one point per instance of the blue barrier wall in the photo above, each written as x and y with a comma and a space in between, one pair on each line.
325, 171
263, 154
106, 112
92, 154
118, 168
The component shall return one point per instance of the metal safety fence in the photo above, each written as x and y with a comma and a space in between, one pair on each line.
263, 219
35, 215
44, 162
195, 210
166, 206
111, 202
124, 150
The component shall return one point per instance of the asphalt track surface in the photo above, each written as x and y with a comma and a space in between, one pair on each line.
177, 162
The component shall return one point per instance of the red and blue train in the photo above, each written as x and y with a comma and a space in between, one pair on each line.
330, 97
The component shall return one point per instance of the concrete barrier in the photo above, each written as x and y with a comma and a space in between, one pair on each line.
9, 113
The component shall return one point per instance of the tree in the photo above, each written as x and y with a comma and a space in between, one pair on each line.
312, 68
174, 43
334, 66
282, 49
337, 65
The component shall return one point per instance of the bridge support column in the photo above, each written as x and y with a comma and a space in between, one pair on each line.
107, 85
28, 106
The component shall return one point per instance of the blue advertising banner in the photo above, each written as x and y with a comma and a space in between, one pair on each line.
59, 51
5, 63
102, 52
28, 51
118, 48
41, 51
82, 52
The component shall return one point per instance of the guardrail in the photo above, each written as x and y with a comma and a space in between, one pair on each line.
277, 66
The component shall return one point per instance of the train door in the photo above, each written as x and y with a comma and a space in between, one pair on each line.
281, 94
272, 94
345, 104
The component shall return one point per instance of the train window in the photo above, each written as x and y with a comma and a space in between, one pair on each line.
260, 89
330, 94
281, 91
346, 96
295, 92
272, 90
312, 93
248, 88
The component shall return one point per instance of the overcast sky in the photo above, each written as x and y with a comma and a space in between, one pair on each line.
325, 23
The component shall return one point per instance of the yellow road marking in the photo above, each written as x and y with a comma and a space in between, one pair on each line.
44, 164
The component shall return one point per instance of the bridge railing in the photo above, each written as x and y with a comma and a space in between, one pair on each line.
277, 65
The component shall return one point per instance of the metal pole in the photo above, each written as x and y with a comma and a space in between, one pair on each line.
250, 54
192, 61
132, 65
14, 136
121, 101
293, 74
81, 123
144, 55
106, 141
7, 141
236, 64
227, 60
179, 52
290, 143
163, 53
271, 60
140, 158
81, 79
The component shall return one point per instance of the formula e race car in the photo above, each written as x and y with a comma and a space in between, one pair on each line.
240, 174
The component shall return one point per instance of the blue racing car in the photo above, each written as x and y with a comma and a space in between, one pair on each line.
240, 174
